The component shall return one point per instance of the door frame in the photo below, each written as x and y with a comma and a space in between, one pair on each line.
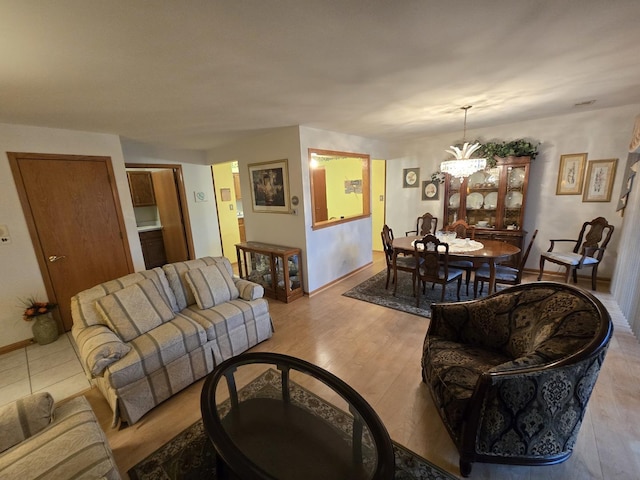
184, 208
43, 263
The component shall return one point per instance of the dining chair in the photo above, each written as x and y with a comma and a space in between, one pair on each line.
403, 264
587, 254
432, 256
463, 230
426, 223
504, 274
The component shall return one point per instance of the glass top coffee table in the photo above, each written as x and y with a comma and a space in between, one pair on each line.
291, 420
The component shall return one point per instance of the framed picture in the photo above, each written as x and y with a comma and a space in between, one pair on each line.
599, 183
410, 178
270, 186
571, 174
430, 190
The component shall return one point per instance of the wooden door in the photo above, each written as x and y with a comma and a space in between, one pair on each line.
73, 212
321, 213
168, 202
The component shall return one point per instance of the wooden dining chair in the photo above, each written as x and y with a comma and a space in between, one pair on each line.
403, 264
587, 254
425, 224
463, 230
432, 256
504, 274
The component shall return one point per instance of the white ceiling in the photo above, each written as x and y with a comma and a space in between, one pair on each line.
196, 74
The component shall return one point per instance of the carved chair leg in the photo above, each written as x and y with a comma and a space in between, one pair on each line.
388, 277
465, 468
541, 268
575, 276
567, 274
594, 277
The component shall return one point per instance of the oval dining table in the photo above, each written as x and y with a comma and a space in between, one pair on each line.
492, 252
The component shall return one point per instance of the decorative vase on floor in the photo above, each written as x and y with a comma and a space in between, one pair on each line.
45, 329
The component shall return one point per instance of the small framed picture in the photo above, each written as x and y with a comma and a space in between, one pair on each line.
270, 186
410, 178
430, 190
599, 183
571, 174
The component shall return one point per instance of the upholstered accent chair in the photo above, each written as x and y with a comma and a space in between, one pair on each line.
588, 254
511, 374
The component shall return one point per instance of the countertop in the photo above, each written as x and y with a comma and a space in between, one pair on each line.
149, 228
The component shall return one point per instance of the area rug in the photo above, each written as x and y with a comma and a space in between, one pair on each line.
372, 290
190, 454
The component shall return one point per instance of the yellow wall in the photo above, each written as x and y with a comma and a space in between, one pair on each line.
339, 203
223, 178
378, 174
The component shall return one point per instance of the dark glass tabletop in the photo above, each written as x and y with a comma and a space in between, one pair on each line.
272, 416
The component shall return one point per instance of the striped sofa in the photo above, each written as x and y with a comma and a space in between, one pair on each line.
46, 442
147, 335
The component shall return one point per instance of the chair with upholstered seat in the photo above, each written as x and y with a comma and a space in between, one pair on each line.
504, 273
403, 264
425, 224
433, 258
463, 230
511, 374
587, 254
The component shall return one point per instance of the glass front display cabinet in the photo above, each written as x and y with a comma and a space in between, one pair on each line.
491, 200
278, 269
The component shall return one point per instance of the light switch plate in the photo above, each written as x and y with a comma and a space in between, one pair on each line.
5, 238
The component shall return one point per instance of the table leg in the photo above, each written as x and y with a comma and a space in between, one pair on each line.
492, 277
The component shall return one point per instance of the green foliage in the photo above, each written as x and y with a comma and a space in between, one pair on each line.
515, 148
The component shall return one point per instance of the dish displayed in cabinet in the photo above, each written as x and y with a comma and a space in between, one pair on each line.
491, 200
513, 200
475, 201
478, 179
454, 200
516, 177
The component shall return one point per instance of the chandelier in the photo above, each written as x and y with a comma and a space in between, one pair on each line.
463, 165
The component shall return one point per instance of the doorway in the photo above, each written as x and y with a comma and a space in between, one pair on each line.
163, 210
229, 205
75, 221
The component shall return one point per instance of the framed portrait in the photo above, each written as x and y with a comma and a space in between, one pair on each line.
270, 186
599, 183
571, 174
410, 178
430, 190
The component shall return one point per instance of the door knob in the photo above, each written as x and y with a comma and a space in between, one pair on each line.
55, 258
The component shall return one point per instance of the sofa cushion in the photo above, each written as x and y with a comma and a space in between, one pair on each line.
134, 310
156, 349
23, 418
175, 273
83, 305
211, 285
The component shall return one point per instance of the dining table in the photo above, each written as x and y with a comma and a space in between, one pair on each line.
481, 252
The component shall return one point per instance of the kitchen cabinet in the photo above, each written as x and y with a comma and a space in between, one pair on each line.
278, 269
236, 186
153, 249
141, 188
492, 200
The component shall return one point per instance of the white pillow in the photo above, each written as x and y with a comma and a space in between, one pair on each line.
134, 310
211, 285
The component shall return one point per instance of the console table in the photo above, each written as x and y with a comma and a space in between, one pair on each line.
278, 269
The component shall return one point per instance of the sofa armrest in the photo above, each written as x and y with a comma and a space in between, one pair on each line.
248, 290
99, 347
24, 418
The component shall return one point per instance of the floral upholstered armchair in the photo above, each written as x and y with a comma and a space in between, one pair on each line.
511, 374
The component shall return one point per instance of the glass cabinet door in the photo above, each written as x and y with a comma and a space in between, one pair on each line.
482, 198
514, 197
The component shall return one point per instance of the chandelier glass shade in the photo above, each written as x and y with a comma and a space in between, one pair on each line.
463, 164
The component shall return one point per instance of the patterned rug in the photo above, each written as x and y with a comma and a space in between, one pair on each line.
372, 290
190, 454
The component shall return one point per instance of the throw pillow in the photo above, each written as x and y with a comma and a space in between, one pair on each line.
249, 290
211, 285
134, 310
23, 418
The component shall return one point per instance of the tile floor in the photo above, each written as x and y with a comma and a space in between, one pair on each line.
54, 368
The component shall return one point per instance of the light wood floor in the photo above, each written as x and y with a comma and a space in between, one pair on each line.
378, 351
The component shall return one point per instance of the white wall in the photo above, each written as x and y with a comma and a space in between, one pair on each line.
602, 134
21, 275
197, 178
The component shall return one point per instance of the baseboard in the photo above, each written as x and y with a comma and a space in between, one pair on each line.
338, 280
15, 346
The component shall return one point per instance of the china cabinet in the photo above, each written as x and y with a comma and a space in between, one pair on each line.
278, 269
492, 200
